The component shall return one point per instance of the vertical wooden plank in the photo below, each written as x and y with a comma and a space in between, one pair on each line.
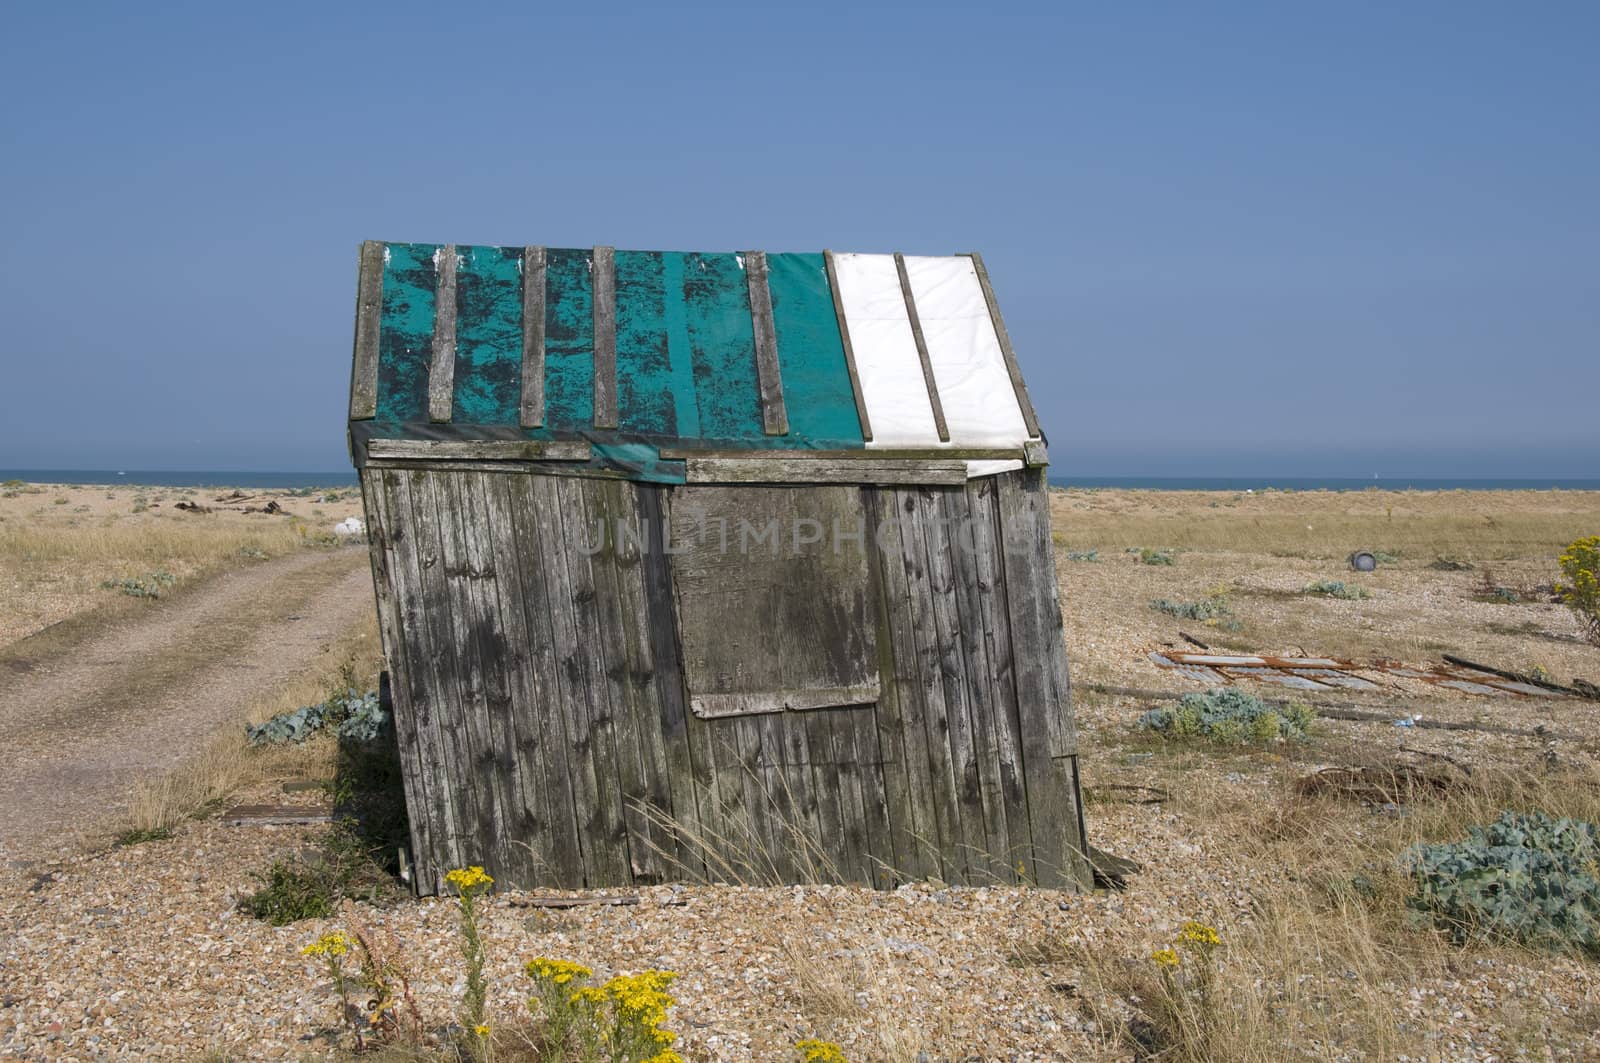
735, 749
811, 860
1018, 385
531, 408
416, 688
849, 351
1039, 669
548, 837
930, 791
523, 827
606, 832
572, 642
895, 713
480, 767
958, 523
774, 418
952, 666
688, 782
943, 781
922, 349
605, 337
879, 869
781, 819
990, 583
625, 648
817, 729
442, 370
428, 613
841, 754
634, 605
403, 671
545, 715
369, 324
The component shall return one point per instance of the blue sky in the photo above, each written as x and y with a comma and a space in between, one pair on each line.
1228, 239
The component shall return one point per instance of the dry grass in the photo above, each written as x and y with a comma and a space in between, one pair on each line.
1419, 526
1327, 964
54, 558
229, 764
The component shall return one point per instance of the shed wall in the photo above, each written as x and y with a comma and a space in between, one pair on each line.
543, 717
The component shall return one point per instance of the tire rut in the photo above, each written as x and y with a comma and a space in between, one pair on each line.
80, 725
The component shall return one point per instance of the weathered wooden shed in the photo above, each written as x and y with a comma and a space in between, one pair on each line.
721, 566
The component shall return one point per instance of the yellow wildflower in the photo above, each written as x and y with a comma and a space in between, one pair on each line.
1198, 936
482, 1029
560, 972
1167, 958
642, 998
589, 994
467, 878
334, 944
815, 1051
666, 1055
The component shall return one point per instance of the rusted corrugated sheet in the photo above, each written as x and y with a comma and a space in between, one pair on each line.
1326, 673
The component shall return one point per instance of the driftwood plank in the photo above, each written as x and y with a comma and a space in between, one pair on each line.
276, 815
849, 349
922, 349
774, 418
1018, 385
369, 322
605, 337
442, 370
530, 408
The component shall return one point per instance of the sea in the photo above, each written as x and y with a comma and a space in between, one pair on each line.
347, 478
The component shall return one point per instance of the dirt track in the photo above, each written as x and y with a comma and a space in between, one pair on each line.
82, 721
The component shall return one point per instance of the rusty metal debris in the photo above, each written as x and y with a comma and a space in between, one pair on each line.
1324, 673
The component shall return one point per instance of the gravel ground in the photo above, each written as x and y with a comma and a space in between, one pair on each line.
141, 953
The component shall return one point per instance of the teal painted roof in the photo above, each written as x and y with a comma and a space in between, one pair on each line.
685, 369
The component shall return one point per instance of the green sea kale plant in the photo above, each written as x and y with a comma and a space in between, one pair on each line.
1230, 716
1525, 877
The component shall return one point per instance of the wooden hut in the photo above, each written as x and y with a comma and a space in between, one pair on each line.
712, 566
